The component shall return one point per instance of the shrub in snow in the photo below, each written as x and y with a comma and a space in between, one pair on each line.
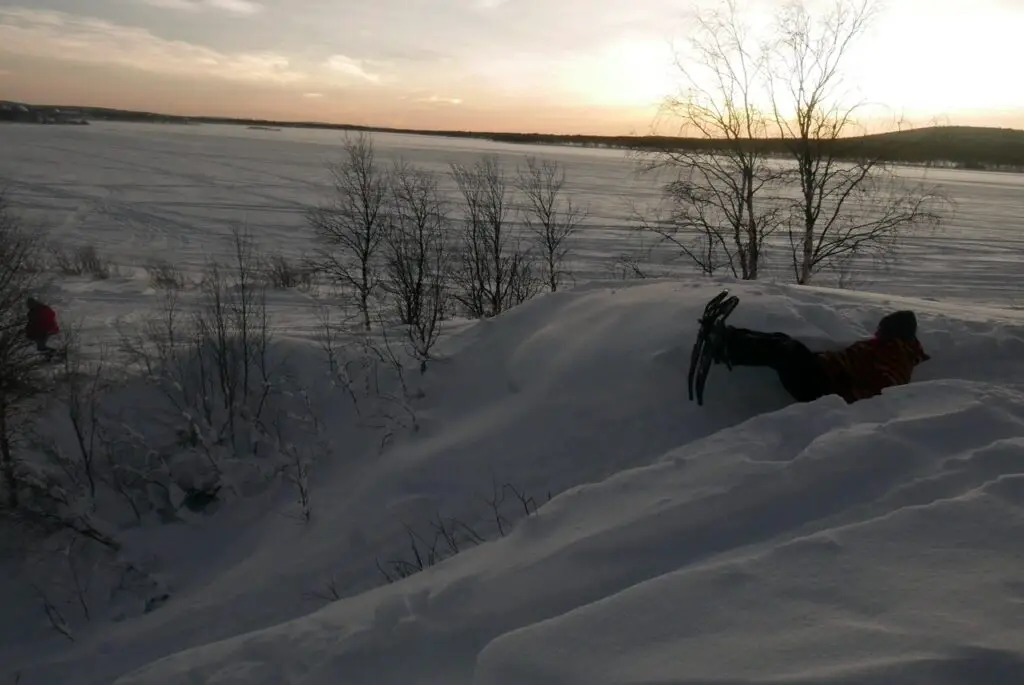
442, 537
282, 273
164, 275
213, 367
81, 261
370, 370
23, 381
205, 411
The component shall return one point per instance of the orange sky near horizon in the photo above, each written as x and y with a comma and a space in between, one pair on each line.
581, 66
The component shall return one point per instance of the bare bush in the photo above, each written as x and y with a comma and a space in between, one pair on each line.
213, 367
297, 461
23, 383
282, 273
81, 385
78, 580
165, 275
231, 342
417, 259
352, 225
65, 450
371, 372
162, 352
330, 335
53, 614
550, 215
493, 271
84, 260
627, 267
445, 536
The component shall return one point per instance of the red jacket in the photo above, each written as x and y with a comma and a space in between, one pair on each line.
42, 321
867, 367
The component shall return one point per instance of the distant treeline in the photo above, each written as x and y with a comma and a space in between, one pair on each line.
968, 147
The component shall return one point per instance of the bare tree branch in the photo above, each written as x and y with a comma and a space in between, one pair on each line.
493, 272
418, 258
721, 211
849, 203
22, 381
352, 226
550, 215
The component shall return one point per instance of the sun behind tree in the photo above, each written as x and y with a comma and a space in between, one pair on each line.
765, 119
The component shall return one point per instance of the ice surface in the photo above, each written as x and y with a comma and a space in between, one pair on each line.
139, 189
746, 541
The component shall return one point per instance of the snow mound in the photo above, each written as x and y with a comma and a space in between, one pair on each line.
819, 544
749, 540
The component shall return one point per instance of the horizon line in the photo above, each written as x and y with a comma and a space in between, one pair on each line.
442, 132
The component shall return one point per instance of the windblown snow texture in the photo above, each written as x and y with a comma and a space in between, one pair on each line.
750, 540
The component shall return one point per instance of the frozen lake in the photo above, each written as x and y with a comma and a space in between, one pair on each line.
138, 190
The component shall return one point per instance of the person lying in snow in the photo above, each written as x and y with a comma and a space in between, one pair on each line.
41, 324
856, 372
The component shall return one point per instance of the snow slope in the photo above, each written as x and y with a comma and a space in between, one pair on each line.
747, 541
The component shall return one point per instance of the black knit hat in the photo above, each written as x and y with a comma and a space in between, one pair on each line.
900, 325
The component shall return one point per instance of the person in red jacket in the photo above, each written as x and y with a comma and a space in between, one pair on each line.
41, 324
856, 372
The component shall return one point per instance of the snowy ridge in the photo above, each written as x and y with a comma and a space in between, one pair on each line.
747, 541
790, 558
809, 569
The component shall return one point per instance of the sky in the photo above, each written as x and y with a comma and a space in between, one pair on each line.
561, 66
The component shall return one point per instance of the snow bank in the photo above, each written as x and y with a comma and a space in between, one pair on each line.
748, 539
845, 552
874, 550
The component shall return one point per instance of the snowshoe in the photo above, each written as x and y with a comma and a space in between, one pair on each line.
709, 342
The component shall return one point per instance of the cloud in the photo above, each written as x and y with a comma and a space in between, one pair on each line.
241, 7
312, 95
236, 6
64, 36
183, 5
437, 99
351, 67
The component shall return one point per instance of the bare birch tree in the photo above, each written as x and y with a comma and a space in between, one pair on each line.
721, 213
550, 215
417, 258
850, 203
493, 271
351, 227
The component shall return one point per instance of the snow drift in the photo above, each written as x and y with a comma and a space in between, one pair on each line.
750, 540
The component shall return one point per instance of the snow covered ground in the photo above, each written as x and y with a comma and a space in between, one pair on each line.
135, 190
643, 539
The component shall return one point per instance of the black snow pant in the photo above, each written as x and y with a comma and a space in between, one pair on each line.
40, 341
798, 367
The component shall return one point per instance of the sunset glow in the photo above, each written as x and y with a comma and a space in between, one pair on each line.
597, 66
